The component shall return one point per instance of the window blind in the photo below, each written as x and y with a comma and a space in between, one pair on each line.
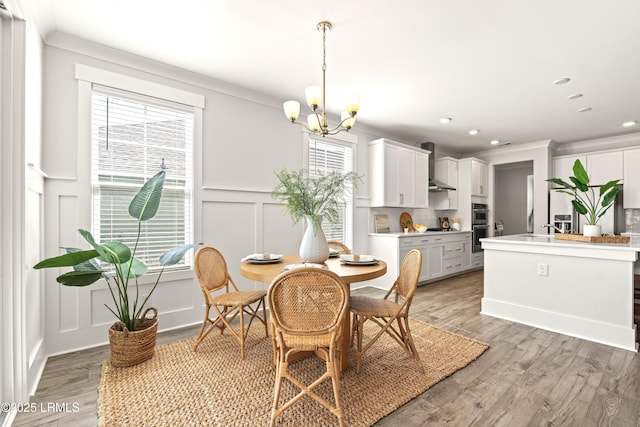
324, 157
132, 136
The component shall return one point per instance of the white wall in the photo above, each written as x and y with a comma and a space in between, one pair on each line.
245, 139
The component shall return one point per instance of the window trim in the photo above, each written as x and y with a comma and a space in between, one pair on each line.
345, 140
88, 76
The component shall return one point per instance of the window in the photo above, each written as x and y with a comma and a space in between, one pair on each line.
131, 137
326, 156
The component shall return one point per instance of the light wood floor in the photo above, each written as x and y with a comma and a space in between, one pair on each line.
528, 377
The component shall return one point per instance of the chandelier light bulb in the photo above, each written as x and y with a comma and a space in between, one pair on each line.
291, 110
313, 123
313, 94
353, 104
347, 119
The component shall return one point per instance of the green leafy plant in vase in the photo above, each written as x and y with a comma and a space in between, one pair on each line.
590, 202
313, 199
124, 268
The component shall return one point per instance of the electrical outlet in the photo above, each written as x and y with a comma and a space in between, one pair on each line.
543, 269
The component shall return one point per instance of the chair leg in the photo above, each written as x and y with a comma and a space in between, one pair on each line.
408, 339
214, 323
335, 381
242, 331
275, 412
204, 323
360, 332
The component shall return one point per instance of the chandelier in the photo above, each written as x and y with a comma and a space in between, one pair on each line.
317, 121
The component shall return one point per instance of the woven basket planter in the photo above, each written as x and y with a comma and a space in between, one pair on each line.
130, 348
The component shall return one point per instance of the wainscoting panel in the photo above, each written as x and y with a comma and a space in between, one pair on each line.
280, 235
230, 227
68, 236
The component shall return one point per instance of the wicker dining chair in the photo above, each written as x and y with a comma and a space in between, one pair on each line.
222, 294
392, 309
339, 246
303, 324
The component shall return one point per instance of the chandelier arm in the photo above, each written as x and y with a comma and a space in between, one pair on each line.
303, 125
338, 127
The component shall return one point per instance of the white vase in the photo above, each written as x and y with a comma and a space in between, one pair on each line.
313, 247
591, 230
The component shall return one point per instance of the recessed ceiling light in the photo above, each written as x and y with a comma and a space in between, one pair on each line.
629, 123
474, 132
444, 120
561, 81
584, 110
495, 142
575, 96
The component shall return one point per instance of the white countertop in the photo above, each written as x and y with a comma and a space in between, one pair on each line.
415, 233
549, 240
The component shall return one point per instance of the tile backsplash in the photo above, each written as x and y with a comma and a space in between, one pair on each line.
427, 217
632, 220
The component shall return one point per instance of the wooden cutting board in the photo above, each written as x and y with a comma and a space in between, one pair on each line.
404, 217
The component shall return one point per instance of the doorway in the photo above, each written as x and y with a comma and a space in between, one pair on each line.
513, 197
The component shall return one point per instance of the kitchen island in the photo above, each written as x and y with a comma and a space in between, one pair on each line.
579, 289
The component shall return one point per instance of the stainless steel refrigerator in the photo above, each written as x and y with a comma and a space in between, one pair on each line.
561, 211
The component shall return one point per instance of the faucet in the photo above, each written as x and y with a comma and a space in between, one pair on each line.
552, 226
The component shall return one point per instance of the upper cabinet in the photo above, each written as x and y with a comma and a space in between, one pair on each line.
605, 167
631, 190
563, 166
601, 167
398, 175
479, 178
447, 172
473, 177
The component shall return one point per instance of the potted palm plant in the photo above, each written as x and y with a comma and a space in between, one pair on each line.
133, 336
590, 202
312, 199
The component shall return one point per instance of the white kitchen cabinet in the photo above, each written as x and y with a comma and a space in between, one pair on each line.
477, 259
422, 244
631, 188
398, 175
447, 172
604, 167
601, 167
563, 166
421, 179
443, 254
466, 252
479, 178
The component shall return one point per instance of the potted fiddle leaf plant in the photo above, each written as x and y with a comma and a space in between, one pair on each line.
592, 202
133, 336
312, 199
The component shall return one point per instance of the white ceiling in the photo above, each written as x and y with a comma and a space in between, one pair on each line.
487, 64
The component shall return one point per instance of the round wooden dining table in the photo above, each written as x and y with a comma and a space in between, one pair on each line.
348, 273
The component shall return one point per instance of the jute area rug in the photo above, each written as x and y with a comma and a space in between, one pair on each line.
215, 387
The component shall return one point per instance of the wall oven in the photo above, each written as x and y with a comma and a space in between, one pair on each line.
479, 224
479, 232
479, 214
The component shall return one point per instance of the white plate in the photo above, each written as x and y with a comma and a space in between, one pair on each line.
373, 262
260, 259
333, 253
362, 259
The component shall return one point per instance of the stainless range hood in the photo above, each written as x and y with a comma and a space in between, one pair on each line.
434, 184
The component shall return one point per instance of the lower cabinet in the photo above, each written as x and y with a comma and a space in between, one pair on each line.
477, 259
443, 254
